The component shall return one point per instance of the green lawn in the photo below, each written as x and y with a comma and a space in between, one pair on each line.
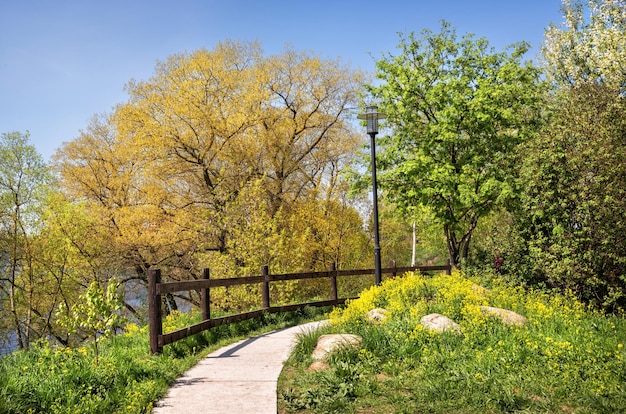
566, 359
128, 378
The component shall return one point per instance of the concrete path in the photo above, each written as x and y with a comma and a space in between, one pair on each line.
239, 378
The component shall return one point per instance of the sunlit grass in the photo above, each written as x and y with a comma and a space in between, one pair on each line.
128, 378
565, 359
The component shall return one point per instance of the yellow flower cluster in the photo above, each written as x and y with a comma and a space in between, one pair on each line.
138, 397
358, 308
179, 320
131, 329
415, 295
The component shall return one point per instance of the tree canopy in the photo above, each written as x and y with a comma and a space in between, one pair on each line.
171, 171
573, 200
571, 214
24, 183
457, 109
589, 46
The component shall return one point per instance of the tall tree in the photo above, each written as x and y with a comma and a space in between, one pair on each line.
194, 122
589, 46
24, 182
571, 217
169, 169
457, 110
573, 198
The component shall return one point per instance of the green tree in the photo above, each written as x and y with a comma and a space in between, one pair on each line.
574, 198
24, 183
570, 219
96, 314
74, 249
457, 110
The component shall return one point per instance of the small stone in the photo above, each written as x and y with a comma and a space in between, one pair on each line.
318, 366
326, 344
507, 317
481, 290
377, 315
440, 323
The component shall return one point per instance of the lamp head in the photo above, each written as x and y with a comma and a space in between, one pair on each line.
372, 116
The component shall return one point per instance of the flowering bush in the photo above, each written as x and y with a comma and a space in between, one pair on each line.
565, 358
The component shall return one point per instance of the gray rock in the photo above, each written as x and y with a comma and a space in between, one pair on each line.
318, 366
377, 315
326, 344
507, 317
440, 323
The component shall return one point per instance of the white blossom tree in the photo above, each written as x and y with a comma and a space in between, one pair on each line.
589, 46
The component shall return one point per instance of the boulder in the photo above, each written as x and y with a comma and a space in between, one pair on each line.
440, 323
506, 316
326, 344
377, 315
318, 366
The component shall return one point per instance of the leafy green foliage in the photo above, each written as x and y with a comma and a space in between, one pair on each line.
565, 227
24, 184
457, 110
128, 379
568, 227
573, 198
96, 314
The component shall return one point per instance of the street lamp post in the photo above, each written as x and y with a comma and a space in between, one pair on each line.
372, 116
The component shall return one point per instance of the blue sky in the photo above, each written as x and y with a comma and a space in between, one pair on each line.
63, 61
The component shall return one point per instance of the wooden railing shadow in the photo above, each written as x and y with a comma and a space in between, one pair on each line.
156, 288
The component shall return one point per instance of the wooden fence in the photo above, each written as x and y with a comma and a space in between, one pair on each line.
156, 288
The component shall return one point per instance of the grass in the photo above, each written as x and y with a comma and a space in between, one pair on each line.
128, 378
566, 359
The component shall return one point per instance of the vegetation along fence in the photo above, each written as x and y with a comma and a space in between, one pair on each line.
155, 289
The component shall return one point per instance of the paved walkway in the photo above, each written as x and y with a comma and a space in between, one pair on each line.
239, 378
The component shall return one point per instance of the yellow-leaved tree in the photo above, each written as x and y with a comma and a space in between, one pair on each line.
224, 158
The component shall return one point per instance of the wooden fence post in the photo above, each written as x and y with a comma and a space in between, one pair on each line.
205, 297
265, 287
333, 281
392, 265
155, 316
449, 267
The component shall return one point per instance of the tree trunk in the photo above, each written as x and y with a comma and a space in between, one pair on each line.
459, 249
453, 245
16, 319
413, 258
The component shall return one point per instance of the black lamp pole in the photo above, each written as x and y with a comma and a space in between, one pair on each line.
372, 116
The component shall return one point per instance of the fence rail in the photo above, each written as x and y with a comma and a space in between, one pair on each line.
156, 288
